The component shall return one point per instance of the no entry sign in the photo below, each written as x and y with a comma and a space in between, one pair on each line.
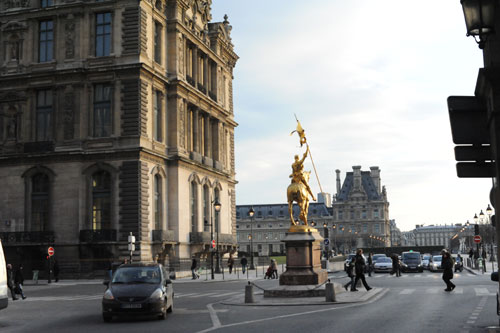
50, 251
477, 239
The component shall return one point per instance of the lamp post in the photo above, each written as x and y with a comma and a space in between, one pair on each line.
334, 230
327, 236
217, 207
251, 213
479, 19
489, 211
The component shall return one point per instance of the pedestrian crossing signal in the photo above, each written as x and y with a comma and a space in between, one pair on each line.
213, 244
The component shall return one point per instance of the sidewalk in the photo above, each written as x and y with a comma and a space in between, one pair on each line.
477, 271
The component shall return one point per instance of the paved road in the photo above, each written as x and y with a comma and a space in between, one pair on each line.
412, 303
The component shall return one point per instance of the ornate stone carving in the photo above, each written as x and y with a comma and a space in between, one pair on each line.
182, 123
68, 114
10, 4
70, 39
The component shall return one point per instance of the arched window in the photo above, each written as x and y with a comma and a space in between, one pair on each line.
217, 219
206, 208
157, 202
101, 200
39, 202
194, 206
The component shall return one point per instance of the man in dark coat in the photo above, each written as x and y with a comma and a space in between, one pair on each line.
447, 265
396, 267
194, 264
19, 281
350, 274
359, 268
10, 282
244, 263
55, 268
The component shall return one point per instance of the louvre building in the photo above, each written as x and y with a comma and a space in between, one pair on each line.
116, 117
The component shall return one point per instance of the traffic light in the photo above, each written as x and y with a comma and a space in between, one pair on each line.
476, 229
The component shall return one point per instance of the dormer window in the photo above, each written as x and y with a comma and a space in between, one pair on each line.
45, 3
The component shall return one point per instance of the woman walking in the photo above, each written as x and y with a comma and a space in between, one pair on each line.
359, 267
447, 264
349, 270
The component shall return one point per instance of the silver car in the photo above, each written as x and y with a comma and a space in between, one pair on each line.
426, 258
383, 265
435, 263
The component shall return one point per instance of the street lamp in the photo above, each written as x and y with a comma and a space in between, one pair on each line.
251, 213
217, 207
479, 18
334, 229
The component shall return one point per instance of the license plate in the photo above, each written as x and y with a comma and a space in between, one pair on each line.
131, 306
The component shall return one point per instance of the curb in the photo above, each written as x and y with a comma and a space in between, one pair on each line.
239, 301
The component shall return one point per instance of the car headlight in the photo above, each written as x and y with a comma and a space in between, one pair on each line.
108, 295
157, 294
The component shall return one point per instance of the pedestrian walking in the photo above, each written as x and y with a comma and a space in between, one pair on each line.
19, 281
274, 267
370, 264
396, 267
10, 282
359, 268
194, 264
483, 255
230, 263
55, 268
447, 265
243, 263
350, 274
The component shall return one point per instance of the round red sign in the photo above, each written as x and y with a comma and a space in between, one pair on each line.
50, 251
477, 239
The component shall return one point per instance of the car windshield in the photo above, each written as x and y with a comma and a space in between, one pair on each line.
383, 260
137, 275
427, 257
436, 258
411, 255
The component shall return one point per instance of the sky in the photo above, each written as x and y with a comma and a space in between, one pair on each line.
368, 81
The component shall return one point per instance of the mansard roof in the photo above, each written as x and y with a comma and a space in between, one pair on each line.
366, 182
280, 210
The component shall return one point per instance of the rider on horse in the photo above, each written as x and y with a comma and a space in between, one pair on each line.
298, 173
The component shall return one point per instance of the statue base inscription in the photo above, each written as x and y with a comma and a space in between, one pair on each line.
303, 258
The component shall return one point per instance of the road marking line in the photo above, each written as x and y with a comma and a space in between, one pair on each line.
483, 292
184, 295
407, 291
202, 295
213, 316
458, 291
432, 291
226, 294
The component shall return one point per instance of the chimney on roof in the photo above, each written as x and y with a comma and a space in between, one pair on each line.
357, 177
338, 182
375, 174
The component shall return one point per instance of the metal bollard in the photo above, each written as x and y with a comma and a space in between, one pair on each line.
249, 293
329, 292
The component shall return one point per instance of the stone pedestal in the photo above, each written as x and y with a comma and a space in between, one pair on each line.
303, 257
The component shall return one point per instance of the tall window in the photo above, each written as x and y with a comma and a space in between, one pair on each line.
101, 200
157, 201
206, 208
377, 228
102, 110
46, 41
103, 35
43, 115
375, 214
194, 206
157, 106
39, 202
157, 41
45, 3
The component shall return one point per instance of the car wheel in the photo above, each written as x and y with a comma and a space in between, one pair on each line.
163, 314
107, 318
171, 307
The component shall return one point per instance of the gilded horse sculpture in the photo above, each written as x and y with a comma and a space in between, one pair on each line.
299, 191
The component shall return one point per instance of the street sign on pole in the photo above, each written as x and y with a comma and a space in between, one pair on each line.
477, 239
326, 241
50, 251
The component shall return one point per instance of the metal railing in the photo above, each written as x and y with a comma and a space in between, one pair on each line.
27, 237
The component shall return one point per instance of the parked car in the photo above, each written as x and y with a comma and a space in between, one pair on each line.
425, 261
435, 263
383, 265
138, 289
377, 256
411, 261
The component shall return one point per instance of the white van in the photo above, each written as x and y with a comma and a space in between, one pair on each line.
4, 296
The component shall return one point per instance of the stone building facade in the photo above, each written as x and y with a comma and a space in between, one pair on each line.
441, 235
116, 117
266, 230
361, 210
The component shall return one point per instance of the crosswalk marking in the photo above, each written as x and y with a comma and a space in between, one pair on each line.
407, 291
432, 290
483, 292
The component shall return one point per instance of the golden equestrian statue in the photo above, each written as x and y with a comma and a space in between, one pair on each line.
299, 191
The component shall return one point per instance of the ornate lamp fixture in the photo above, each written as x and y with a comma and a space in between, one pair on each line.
479, 19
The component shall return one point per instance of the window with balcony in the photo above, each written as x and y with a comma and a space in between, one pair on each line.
102, 110
46, 41
101, 200
103, 35
39, 202
43, 115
